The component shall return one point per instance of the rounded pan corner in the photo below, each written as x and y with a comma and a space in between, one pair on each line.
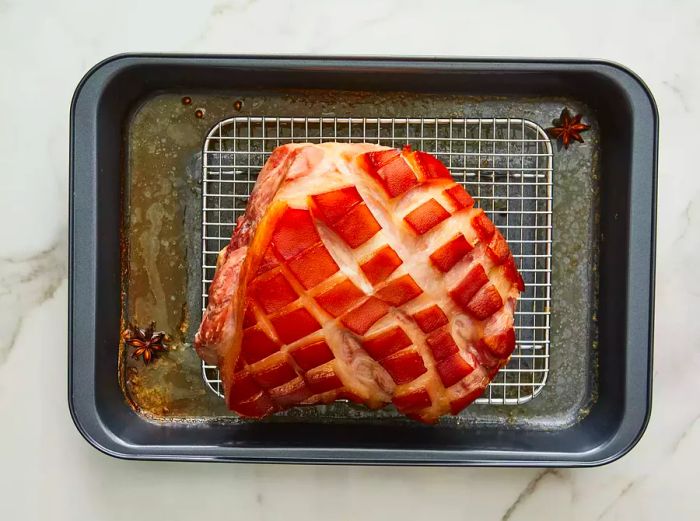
92, 71
626, 439
93, 432
100, 438
617, 70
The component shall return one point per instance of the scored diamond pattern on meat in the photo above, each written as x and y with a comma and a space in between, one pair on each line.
368, 274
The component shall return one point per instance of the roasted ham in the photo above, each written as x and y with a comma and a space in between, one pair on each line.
364, 273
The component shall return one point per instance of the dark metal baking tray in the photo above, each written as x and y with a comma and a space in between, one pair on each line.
604, 372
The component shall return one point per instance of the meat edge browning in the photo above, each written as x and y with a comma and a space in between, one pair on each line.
232, 340
215, 331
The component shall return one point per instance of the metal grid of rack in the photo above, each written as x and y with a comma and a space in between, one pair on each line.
505, 163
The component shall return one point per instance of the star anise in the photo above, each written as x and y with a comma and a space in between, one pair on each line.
145, 342
568, 129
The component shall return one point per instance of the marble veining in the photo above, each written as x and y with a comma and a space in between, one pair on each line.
45, 47
26, 283
621, 495
530, 489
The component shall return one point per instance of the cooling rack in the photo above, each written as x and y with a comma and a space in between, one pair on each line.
505, 163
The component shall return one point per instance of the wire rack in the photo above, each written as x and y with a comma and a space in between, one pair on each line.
506, 164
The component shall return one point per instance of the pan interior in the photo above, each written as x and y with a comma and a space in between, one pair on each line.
547, 210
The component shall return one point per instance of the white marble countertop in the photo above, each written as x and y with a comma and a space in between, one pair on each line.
48, 470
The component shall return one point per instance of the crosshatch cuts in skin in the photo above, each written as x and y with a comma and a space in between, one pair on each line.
365, 273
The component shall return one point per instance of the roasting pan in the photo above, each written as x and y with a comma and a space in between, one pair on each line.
164, 152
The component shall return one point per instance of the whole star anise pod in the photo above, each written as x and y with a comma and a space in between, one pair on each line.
568, 129
145, 342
